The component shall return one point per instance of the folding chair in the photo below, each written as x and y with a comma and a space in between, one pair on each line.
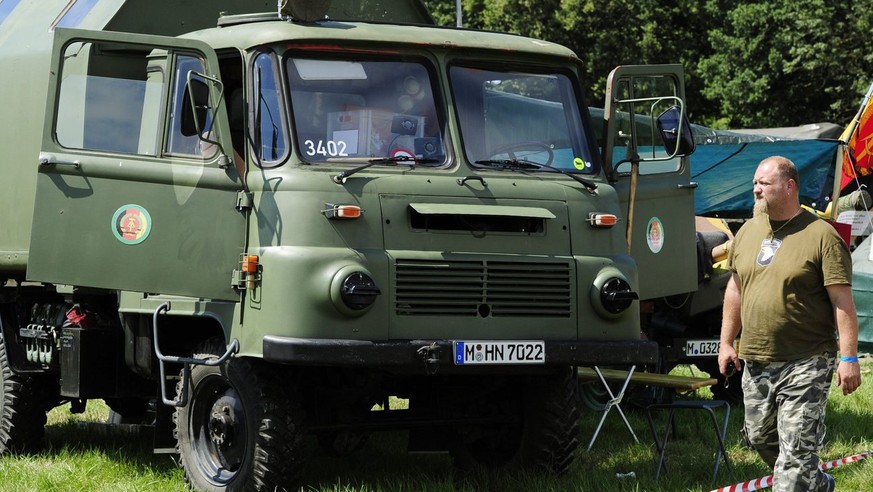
614, 402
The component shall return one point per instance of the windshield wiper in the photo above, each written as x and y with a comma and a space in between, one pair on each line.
519, 164
384, 161
511, 164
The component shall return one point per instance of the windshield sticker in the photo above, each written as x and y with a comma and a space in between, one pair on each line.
655, 235
131, 224
402, 153
580, 164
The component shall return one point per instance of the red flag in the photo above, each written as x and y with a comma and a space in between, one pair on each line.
858, 154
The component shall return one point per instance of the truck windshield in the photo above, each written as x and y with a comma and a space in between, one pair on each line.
354, 111
512, 116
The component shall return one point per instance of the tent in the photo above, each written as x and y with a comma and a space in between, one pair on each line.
725, 161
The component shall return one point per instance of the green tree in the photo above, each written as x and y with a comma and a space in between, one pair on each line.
748, 64
603, 33
607, 33
785, 63
443, 11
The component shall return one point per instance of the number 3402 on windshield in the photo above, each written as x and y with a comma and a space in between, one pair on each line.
331, 148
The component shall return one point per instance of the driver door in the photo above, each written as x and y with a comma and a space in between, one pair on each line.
657, 198
127, 199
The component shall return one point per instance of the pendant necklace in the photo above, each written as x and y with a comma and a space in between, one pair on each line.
773, 232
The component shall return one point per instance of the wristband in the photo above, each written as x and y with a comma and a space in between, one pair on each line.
848, 358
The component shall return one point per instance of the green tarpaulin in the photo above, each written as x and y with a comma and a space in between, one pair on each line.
862, 288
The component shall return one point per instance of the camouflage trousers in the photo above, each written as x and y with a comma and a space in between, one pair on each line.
784, 418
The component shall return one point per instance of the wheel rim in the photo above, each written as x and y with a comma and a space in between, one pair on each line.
218, 430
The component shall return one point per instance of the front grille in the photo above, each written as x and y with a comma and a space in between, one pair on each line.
483, 288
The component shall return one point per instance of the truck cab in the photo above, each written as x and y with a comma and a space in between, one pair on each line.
293, 216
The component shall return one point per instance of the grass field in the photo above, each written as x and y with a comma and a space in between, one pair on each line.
81, 455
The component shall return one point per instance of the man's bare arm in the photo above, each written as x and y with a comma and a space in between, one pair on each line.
848, 373
730, 326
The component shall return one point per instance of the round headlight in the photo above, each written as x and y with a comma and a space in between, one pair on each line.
353, 290
616, 295
359, 291
611, 293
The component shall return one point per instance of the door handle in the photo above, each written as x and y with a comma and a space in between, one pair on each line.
46, 161
690, 186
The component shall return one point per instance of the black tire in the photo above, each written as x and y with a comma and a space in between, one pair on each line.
544, 437
22, 409
340, 443
236, 432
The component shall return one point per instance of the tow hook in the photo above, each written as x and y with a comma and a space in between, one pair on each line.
430, 354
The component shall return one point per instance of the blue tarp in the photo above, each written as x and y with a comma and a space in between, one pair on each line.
724, 173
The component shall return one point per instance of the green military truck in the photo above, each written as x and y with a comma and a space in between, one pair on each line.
275, 222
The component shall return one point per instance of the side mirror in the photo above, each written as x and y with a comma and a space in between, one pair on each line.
675, 130
195, 108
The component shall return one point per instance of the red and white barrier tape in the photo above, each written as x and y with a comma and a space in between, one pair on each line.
767, 482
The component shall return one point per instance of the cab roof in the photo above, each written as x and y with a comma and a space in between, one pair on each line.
252, 30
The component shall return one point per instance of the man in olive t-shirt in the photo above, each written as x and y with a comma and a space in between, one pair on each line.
790, 294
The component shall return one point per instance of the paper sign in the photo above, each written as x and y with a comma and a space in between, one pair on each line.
859, 220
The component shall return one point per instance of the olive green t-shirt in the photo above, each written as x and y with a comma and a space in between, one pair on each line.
785, 311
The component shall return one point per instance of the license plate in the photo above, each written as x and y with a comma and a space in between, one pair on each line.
503, 352
701, 348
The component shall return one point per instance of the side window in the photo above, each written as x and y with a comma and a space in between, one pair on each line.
102, 100
641, 99
270, 137
177, 141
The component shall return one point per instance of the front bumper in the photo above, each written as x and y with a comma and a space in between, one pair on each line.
433, 354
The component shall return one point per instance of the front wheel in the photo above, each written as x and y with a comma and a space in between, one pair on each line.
237, 432
540, 431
